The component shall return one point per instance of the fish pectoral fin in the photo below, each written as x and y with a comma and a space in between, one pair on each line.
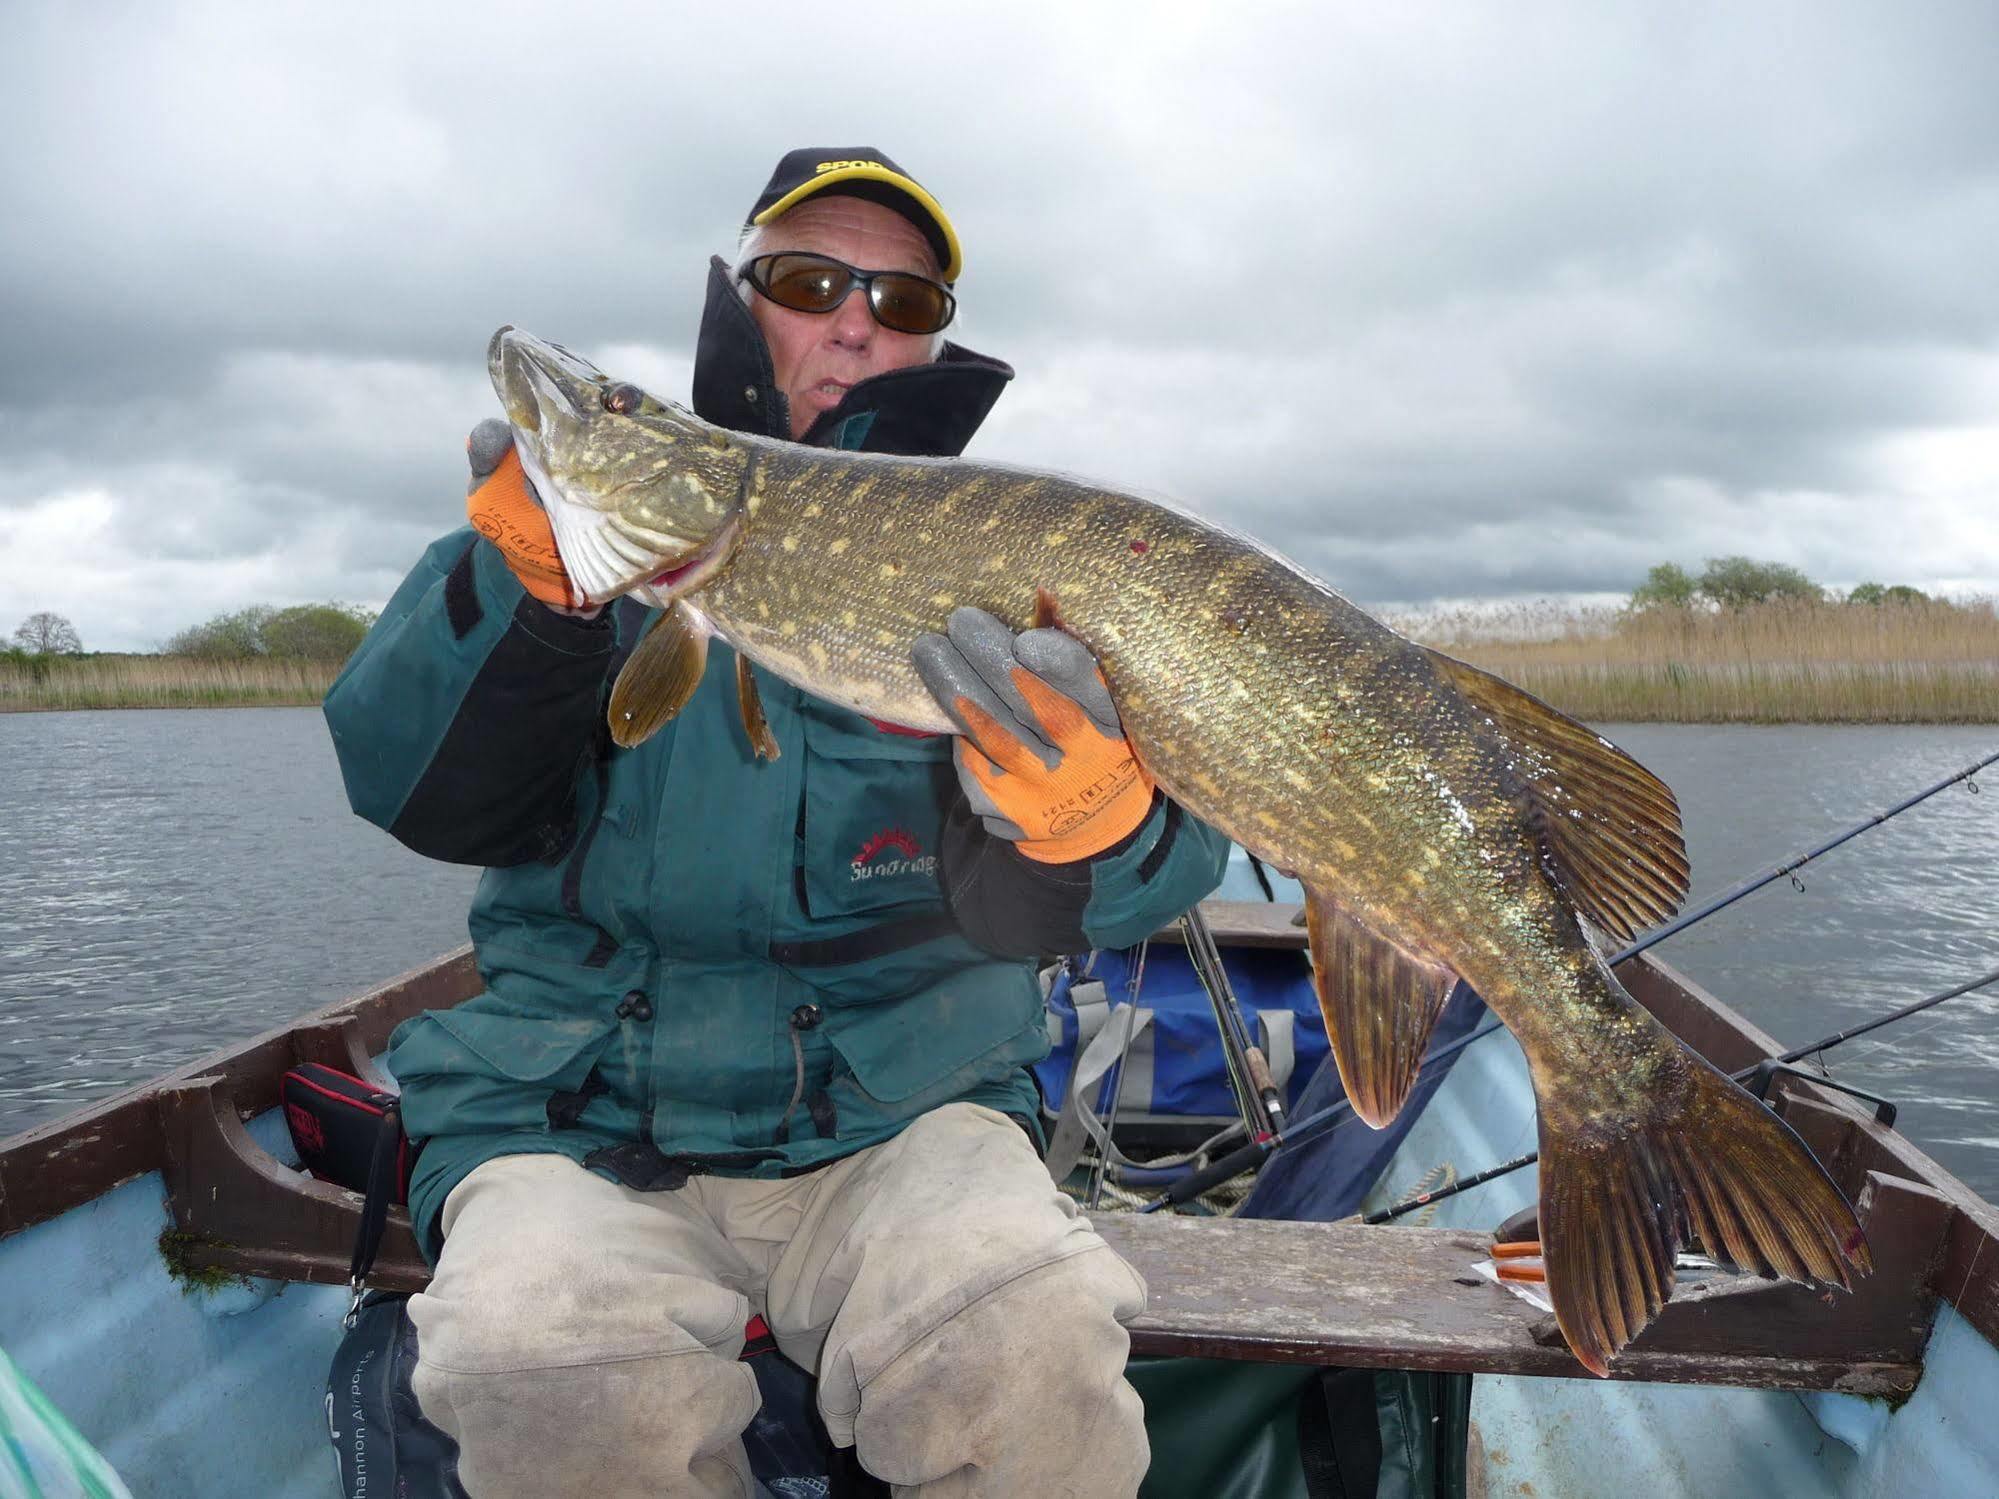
752, 704
660, 676
1619, 1196
1610, 827
1380, 1002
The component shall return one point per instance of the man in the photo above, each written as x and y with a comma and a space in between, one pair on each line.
755, 1031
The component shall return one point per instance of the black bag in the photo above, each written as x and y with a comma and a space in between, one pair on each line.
336, 1121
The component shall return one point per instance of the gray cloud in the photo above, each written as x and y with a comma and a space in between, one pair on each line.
1440, 304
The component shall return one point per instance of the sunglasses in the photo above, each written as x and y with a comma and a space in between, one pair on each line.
900, 300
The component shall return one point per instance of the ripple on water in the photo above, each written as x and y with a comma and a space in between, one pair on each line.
1905, 910
175, 881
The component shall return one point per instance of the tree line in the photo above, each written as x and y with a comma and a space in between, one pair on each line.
1739, 582
303, 632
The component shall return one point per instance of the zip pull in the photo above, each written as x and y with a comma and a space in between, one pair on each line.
804, 1018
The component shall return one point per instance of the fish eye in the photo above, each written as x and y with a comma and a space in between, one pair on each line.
624, 400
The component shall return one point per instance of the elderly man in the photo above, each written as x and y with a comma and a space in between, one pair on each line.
755, 1033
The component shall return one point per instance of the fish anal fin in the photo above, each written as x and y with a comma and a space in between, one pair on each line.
1380, 1002
1703, 1160
1609, 826
659, 677
752, 704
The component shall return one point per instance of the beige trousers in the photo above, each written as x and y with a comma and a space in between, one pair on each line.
580, 1338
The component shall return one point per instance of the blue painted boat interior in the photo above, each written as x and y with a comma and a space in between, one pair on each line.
188, 1396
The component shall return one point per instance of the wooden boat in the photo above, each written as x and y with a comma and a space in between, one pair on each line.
175, 1285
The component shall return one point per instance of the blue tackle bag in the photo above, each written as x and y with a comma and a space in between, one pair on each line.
1174, 1068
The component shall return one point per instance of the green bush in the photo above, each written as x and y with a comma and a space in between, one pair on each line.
304, 632
1895, 593
1738, 582
1725, 583
1666, 586
315, 632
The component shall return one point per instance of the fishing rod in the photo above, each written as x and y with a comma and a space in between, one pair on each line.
1314, 1125
1134, 980
1258, 1100
1310, 1128
1791, 867
1249, 1071
1762, 1072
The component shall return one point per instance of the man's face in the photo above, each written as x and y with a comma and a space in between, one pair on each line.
818, 355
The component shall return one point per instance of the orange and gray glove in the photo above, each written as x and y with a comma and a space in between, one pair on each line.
504, 508
1043, 758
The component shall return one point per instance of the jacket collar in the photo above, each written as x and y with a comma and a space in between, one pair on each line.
927, 410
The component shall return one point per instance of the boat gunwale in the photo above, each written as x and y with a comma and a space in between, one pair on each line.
68, 1161
64, 1163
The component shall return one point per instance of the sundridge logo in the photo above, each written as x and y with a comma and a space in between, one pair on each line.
892, 851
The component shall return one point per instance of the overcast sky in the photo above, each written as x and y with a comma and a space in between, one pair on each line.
1443, 301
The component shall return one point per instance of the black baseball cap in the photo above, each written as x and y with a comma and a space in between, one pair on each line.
859, 172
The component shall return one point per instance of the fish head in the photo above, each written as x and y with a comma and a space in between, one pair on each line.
640, 492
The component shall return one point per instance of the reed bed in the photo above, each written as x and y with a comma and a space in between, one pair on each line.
64, 682
1786, 662
1783, 662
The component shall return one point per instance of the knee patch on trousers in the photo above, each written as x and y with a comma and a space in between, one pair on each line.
668, 1424
1038, 1357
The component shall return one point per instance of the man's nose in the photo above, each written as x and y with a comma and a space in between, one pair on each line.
853, 321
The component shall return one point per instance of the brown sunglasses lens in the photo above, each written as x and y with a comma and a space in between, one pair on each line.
910, 304
805, 283
808, 283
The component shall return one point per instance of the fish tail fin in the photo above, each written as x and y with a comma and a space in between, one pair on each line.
1705, 1161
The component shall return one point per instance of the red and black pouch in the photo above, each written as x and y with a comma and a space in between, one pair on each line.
339, 1123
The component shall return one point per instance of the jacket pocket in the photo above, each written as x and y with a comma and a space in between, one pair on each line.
466, 1071
873, 817
904, 1059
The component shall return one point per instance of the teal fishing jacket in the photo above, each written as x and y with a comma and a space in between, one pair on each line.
696, 960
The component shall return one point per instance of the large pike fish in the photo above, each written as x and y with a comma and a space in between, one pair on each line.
1443, 823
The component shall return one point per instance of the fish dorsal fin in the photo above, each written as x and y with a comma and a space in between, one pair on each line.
752, 704
1610, 827
660, 676
1380, 1002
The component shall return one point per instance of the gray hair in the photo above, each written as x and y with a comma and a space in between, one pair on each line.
750, 244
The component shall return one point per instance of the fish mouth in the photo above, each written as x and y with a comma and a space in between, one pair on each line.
536, 379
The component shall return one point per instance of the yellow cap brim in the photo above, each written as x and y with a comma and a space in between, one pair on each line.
867, 171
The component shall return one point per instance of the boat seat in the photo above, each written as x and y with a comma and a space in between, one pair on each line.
1334, 1294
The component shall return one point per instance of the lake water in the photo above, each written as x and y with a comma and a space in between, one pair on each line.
173, 881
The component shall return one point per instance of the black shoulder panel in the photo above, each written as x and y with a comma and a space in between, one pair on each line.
461, 595
501, 788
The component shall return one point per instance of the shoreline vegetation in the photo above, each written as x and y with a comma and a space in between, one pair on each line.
1787, 660
67, 683
1782, 661
259, 657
